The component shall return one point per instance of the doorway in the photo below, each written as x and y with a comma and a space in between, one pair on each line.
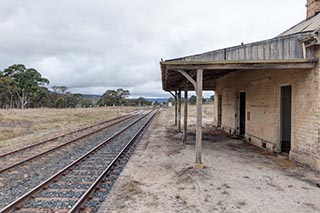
285, 119
219, 110
242, 113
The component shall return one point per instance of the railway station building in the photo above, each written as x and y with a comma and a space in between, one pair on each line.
267, 92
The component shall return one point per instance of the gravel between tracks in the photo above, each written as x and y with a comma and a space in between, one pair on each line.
110, 179
98, 161
39, 148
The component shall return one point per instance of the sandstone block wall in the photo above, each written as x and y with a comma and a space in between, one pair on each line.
313, 7
263, 107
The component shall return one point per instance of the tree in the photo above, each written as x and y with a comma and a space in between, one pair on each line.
25, 82
113, 97
122, 95
86, 102
156, 103
60, 89
193, 100
59, 102
63, 91
204, 100
171, 99
40, 98
142, 102
72, 100
6, 89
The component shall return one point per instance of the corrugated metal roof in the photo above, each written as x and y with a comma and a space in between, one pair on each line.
304, 26
279, 48
171, 80
284, 49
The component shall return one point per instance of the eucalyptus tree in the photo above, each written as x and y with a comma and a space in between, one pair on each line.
113, 97
6, 91
26, 82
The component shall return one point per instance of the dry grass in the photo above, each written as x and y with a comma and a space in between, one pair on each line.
18, 126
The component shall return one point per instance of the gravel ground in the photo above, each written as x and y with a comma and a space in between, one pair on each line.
15, 182
238, 177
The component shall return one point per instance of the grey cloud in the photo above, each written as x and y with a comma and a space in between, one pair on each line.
92, 46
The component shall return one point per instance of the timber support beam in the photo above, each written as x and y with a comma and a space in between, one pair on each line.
198, 86
175, 106
185, 116
179, 110
199, 117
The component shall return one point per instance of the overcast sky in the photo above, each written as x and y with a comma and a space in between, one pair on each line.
94, 45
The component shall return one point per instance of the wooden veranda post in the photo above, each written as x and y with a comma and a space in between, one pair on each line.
175, 113
185, 116
179, 110
199, 88
175, 108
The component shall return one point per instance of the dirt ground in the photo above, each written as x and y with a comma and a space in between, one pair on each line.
237, 177
19, 126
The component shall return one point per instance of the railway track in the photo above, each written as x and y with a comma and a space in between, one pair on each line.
69, 189
6, 153
20, 156
19, 179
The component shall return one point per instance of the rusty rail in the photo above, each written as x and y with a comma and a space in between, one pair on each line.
92, 188
16, 204
123, 118
60, 136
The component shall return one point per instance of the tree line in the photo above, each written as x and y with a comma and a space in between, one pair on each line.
119, 97
22, 87
193, 100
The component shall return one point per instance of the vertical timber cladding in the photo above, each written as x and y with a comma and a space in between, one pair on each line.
263, 89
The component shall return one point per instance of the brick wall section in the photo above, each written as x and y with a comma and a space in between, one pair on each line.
313, 7
263, 103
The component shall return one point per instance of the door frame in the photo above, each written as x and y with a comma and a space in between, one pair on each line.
281, 119
239, 112
219, 123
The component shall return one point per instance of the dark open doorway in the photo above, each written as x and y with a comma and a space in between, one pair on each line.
219, 110
242, 113
285, 119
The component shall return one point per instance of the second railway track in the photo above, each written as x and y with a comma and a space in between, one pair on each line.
69, 189
20, 156
18, 180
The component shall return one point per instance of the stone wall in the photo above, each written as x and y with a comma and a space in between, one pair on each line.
262, 89
313, 7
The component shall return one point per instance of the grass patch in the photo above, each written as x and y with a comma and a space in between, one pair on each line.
16, 124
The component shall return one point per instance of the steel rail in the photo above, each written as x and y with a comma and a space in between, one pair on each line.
60, 136
64, 144
15, 204
77, 206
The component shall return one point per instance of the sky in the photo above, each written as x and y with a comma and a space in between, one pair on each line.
91, 46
